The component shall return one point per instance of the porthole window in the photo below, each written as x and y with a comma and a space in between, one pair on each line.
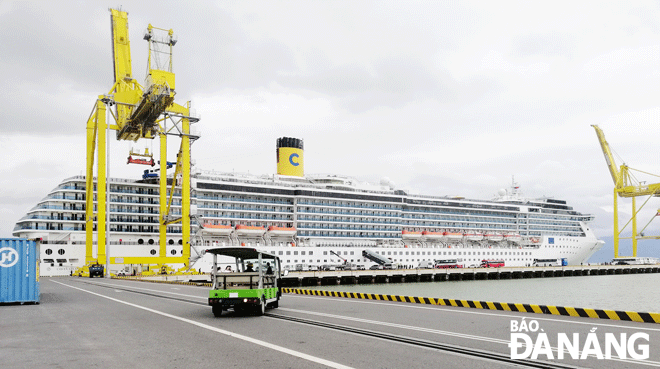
61, 251
173, 252
151, 241
140, 241
49, 251
153, 252
171, 242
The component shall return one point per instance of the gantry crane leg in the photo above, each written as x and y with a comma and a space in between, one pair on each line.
185, 189
616, 224
162, 227
96, 135
634, 228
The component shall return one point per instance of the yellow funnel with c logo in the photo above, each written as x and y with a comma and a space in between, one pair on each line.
290, 157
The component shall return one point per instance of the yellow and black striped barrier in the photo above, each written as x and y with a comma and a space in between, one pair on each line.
523, 308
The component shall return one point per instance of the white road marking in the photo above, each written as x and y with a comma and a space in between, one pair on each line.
221, 331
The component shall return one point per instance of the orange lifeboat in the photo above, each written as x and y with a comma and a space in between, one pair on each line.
495, 237
513, 237
474, 236
281, 231
410, 235
254, 231
432, 235
453, 236
217, 229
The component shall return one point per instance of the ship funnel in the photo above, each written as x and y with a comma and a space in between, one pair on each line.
290, 157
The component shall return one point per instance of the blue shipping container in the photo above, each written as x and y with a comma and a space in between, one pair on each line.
19, 270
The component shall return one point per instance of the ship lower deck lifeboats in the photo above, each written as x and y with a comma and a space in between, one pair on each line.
217, 229
252, 231
453, 236
281, 231
410, 235
474, 236
432, 235
513, 237
494, 237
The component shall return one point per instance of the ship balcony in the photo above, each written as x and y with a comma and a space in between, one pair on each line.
303, 218
332, 235
80, 197
48, 227
356, 206
460, 213
248, 217
50, 217
60, 207
241, 208
335, 212
326, 227
256, 201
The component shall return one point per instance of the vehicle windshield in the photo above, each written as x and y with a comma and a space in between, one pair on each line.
252, 265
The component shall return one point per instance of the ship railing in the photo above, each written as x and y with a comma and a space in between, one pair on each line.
244, 200
349, 229
352, 220
357, 206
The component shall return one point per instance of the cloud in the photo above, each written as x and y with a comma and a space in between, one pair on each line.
442, 97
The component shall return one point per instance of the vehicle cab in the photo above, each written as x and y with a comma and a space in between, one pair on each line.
253, 285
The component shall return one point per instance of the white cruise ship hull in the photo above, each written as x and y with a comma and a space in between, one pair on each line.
318, 218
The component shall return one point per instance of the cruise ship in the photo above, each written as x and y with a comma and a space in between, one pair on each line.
311, 219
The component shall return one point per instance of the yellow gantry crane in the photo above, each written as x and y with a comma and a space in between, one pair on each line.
140, 112
626, 185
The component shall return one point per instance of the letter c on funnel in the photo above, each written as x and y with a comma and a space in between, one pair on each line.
294, 163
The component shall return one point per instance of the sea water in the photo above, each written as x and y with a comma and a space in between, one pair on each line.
627, 292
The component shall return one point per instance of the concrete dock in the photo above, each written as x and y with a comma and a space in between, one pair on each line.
90, 323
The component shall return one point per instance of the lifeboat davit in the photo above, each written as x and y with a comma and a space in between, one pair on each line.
453, 236
432, 235
513, 237
474, 236
281, 231
409, 235
244, 230
495, 237
217, 229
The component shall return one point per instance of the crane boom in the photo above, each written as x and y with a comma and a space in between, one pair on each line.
609, 158
121, 46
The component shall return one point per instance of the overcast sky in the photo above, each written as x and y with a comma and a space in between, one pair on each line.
443, 98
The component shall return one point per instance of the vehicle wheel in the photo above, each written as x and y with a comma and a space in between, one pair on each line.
261, 309
275, 304
217, 310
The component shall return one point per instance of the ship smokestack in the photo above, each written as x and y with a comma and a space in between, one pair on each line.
290, 157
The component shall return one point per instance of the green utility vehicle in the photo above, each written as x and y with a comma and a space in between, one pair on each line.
245, 279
